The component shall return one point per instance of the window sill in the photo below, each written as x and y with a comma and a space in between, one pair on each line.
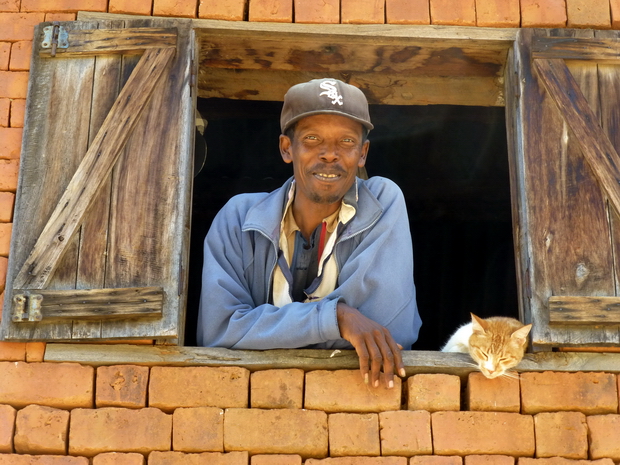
307, 360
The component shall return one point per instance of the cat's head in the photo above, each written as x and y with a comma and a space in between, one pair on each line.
497, 344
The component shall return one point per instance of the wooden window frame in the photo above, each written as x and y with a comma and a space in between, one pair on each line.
447, 49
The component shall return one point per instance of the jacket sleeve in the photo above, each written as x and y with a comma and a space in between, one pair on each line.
228, 315
377, 276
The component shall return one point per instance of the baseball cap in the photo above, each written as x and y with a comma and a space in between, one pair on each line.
324, 96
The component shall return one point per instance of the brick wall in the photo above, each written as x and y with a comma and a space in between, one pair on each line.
67, 413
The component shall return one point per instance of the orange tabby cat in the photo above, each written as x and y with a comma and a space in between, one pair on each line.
496, 344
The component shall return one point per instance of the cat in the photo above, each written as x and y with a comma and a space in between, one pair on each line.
496, 344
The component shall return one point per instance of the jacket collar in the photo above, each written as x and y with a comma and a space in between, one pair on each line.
261, 216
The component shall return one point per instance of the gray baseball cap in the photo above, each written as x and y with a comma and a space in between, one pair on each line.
324, 96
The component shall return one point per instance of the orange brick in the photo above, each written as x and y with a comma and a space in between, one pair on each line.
60, 17
64, 6
172, 387
131, 7
12, 351
185, 9
436, 460
231, 10
16, 459
404, 432
9, 171
5, 106
18, 108
277, 388
276, 460
7, 427
604, 436
122, 386
434, 392
35, 351
563, 461
5, 239
354, 434
198, 429
590, 393
317, 11
60, 385
10, 142
345, 391
211, 458
13, 84
41, 430
362, 11
498, 13
9, 5
473, 433
20, 55
278, 431
111, 429
489, 460
5, 54
550, 13
407, 12
358, 461
453, 12
497, 395
562, 434
3, 268
588, 13
116, 458
19, 26
278, 11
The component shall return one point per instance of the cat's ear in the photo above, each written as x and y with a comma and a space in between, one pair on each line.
478, 324
520, 335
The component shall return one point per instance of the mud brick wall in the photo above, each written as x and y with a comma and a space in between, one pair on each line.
67, 413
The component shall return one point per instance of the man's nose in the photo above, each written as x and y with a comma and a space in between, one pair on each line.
329, 153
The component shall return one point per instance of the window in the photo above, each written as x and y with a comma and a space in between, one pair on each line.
136, 234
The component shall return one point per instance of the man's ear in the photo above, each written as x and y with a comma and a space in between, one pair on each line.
362, 160
285, 149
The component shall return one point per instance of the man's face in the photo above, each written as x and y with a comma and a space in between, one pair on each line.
326, 152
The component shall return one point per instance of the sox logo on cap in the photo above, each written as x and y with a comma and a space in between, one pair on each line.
331, 92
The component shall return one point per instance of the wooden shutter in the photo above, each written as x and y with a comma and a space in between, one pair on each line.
101, 226
563, 114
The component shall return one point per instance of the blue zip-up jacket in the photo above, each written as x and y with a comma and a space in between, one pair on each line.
375, 262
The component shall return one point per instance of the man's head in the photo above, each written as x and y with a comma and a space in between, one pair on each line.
324, 125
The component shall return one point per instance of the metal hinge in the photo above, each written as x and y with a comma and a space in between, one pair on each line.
27, 307
54, 37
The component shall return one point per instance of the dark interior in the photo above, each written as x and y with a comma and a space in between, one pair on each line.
451, 163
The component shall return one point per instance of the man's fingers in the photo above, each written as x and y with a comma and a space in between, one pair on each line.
376, 360
362, 354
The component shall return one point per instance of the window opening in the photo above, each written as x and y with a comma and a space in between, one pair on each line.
451, 163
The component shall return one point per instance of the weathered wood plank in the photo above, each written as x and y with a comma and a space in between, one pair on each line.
98, 303
92, 42
572, 48
595, 145
93, 171
93, 234
563, 230
152, 182
308, 360
379, 88
578, 310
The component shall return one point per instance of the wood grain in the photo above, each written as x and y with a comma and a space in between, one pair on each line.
570, 48
95, 304
93, 42
578, 310
92, 172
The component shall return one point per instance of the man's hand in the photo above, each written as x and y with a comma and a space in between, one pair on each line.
373, 343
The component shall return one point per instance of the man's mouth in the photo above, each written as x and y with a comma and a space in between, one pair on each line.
327, 176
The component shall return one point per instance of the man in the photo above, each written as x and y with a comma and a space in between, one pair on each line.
326, 260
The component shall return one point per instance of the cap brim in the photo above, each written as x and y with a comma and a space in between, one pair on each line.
364, 123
